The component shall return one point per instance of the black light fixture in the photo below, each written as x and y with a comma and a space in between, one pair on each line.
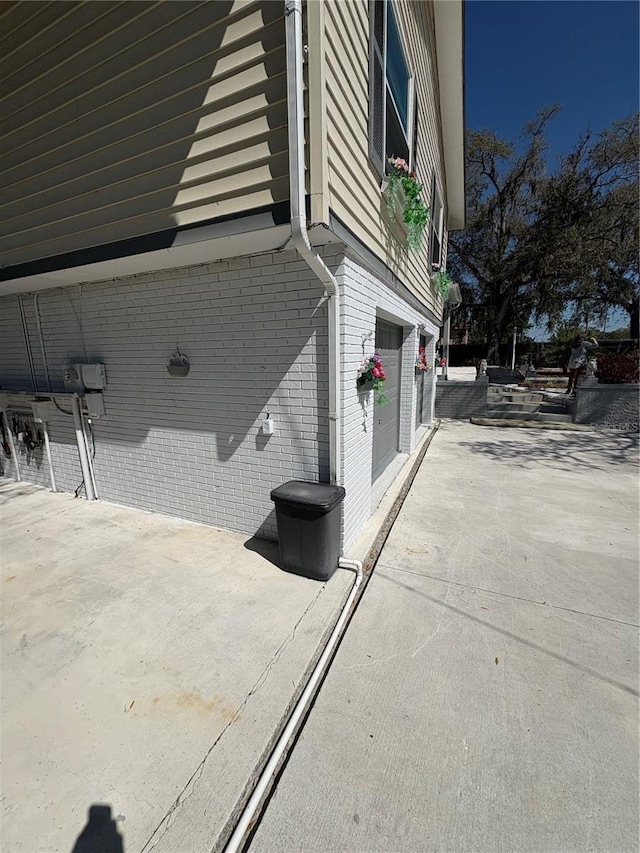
179, 364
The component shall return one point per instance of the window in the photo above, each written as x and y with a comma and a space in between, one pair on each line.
436, 224
393, 109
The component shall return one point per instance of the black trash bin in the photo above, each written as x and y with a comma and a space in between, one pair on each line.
308, 517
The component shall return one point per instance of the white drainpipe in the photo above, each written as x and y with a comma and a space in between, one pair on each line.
238, 839
295, 101
12, 446
83, 453
47, 446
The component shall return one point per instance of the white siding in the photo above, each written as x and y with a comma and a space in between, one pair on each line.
353, 185
127, 119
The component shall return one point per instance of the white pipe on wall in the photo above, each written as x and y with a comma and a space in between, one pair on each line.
237, 840
299, 234
89, 454
445, 348
27, 344
12, 446
82, 448
49, 457
45, 364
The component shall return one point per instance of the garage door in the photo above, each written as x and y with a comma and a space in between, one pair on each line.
386, 421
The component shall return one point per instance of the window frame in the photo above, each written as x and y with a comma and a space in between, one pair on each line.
436, 230
378, 54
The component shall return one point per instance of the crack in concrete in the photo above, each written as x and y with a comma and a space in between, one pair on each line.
508, 595
188, 790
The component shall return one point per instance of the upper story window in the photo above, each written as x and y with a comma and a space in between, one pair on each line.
393, 108
436, 225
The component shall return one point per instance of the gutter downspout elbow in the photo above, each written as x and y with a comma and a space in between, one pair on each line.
299, 233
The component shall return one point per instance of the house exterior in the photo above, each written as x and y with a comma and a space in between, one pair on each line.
146, 213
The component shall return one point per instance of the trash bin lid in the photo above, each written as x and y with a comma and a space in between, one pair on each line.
320, 496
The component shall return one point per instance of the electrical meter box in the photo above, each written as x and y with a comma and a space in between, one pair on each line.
82, 377
95, 404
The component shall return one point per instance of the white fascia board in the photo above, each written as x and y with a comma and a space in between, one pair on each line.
449, 26
190, 248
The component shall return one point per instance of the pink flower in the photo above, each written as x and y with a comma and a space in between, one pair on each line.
376, 372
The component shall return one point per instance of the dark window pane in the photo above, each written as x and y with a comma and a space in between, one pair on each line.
396, 141
376, 108
397, 73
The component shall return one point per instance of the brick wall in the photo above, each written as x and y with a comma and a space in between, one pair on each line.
254, 329
608, 406
364, 297
461, 400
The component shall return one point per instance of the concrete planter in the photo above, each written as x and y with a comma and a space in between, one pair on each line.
608, 406
461, 400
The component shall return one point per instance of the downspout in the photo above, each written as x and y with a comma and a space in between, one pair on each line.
45, 364
299, 235
27, 343
12, 446
82, 447
47, 446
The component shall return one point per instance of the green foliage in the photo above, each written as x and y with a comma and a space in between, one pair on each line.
415, 213
537, 242
442, 282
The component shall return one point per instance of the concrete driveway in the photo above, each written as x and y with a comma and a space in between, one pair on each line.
146, 666
484, 699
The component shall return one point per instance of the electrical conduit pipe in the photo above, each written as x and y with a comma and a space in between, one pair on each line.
238, 838
49, 457
83, 453
299, 234
12, 446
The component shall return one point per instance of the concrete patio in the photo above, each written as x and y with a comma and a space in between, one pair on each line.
146, 666
485, 696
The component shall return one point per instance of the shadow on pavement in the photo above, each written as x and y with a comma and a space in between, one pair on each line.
100, 835
267, 548
592, 672
597, 450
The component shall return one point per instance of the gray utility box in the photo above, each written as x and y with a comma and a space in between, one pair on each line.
308, 517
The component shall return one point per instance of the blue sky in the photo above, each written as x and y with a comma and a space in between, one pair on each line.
523, 55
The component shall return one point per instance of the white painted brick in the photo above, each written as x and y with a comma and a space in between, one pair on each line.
255, 331
363, 295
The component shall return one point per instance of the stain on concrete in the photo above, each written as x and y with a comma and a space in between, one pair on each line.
187, 702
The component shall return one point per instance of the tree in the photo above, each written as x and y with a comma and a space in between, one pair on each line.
536, 243
591, 206
495, 259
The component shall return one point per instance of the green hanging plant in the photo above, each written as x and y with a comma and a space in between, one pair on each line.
442, 282
415, 213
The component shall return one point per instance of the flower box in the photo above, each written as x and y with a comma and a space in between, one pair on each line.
371, 377
396, 201
401, 190
364, 385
